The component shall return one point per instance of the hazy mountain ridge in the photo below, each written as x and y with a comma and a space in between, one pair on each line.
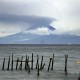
54, 39
22, 38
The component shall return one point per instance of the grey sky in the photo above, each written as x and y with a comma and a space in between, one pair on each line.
66, 13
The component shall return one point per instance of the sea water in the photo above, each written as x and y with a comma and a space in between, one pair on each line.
59, 51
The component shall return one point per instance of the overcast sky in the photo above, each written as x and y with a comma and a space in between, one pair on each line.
18, 15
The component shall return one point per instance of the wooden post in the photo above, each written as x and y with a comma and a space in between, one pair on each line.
43, 66
8, 63
17, 63
3, 64
12, 62
49, 63
38, 69
37, 61
66, 56
28, 58
52, 62
21, 63
28, 68
32, 62
41, 63
26, 63
79, 77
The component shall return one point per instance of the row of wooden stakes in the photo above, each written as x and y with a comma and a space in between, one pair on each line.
27, 66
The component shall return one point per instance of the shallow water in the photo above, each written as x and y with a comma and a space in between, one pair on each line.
47, 51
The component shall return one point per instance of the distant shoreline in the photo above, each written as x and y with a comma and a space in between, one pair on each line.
40, 44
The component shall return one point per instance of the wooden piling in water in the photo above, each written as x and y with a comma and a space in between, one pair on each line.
43, 66
41, 63
79, 77
49, 63
66, 56
26, 63
28, 66
37, 61
8, 63
17, 63
32, 62
38, 69
28, 58
12, 62
52, 62
3, 64
20, 67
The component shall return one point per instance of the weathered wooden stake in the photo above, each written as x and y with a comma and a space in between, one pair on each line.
28, 66
66, 56
41, 63
12, 62
17, 63
8, 63
52, 62
21, 63
38, 69
37, 61
28, 58
49, 63
26, 63
79, 77
3, 64
43, 66
32, 62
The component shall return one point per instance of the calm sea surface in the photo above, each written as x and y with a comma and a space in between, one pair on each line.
47, 51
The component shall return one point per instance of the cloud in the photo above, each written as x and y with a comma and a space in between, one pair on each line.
39, 31
68, 19
12, 24
68, 26
67, 13
8, 29
33, 20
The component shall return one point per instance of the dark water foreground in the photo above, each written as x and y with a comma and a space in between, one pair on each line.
44, 75
47, 51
